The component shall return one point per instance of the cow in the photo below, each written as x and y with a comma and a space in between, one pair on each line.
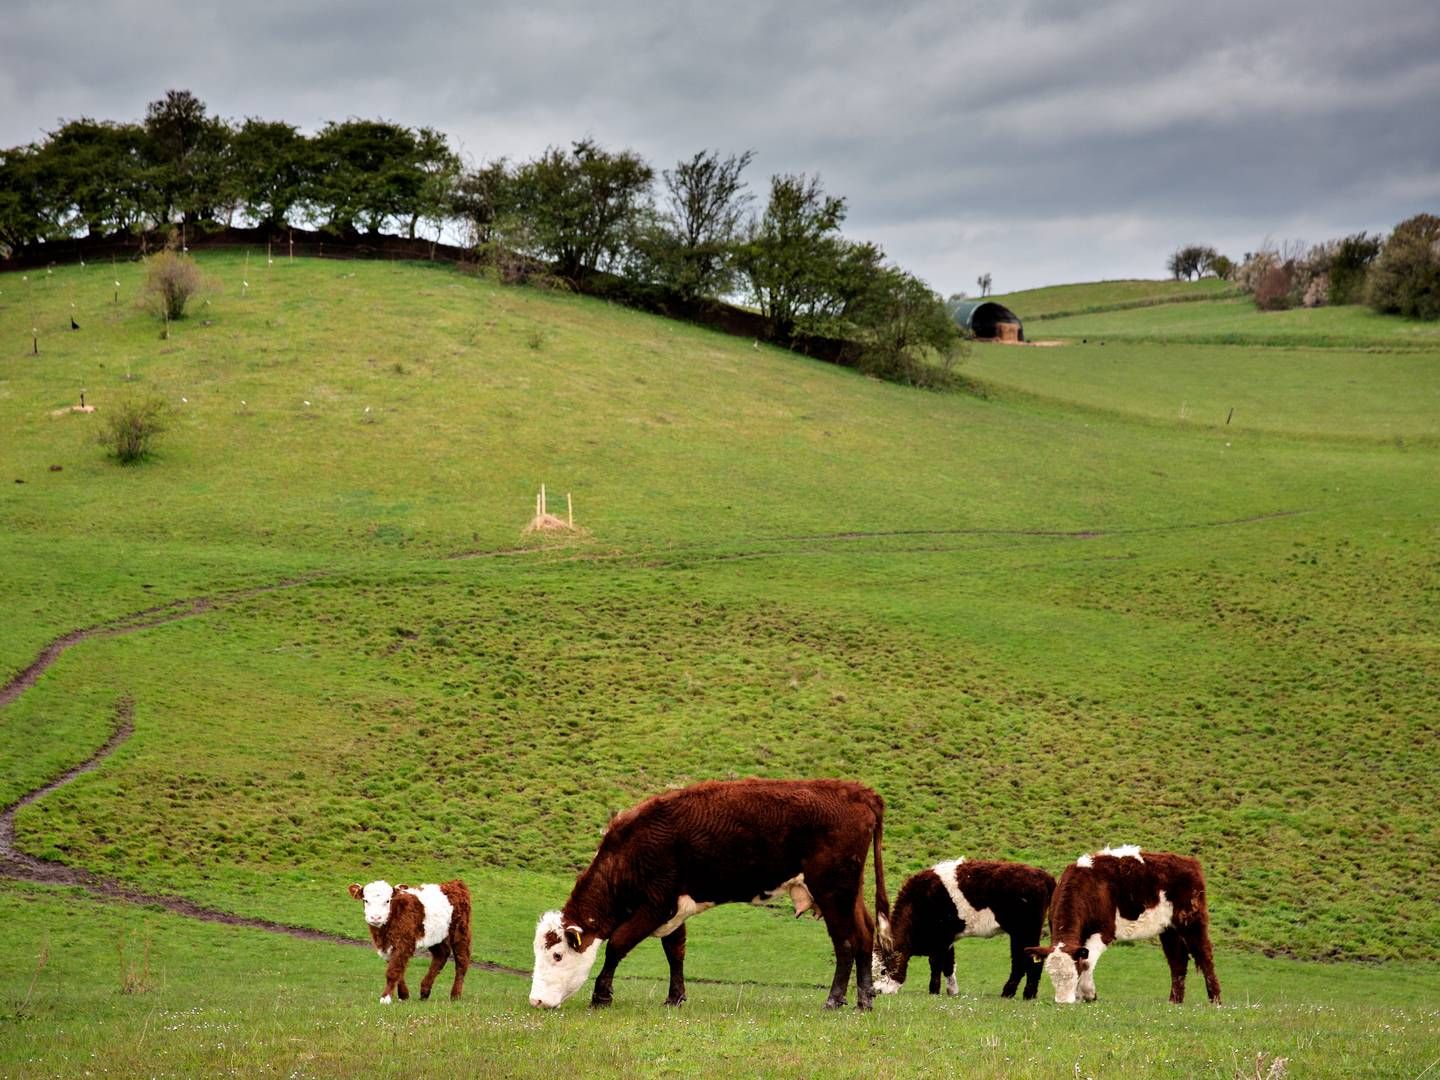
719, 842
959, 899
405, 922
1125, 894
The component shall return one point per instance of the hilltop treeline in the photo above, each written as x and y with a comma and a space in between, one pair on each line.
1397, 274
593, 218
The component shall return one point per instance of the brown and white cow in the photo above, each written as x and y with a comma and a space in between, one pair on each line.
959, 899
405, 922
721, 842
1125, 894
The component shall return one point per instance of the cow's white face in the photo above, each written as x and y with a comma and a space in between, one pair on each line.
1064, 974
887, 966
562, 961
376, 897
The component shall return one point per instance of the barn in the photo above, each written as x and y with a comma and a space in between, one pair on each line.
987, 320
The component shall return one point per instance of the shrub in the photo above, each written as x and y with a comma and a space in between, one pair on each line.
1191, 261
129, 430
1405, 277
1272, 292
1223, 266
170, 280
1349, 265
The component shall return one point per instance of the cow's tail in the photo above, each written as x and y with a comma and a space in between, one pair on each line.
882, 901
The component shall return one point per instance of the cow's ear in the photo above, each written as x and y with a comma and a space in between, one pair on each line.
574, 938
357, 891
1039, 952
1082, 953
395, 891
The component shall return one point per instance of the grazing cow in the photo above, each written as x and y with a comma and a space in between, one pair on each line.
1125, 894
964, 899
684, 851
405, 922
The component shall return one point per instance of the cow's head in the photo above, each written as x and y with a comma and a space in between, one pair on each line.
564, 955
376, 897
1064, 964
887, 964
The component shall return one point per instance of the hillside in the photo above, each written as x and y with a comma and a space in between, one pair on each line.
1055, 618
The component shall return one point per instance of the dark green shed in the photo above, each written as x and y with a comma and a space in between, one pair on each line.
987, 320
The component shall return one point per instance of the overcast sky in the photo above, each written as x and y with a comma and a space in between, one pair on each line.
1042, 142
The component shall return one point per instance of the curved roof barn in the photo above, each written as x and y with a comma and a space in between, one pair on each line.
987, 320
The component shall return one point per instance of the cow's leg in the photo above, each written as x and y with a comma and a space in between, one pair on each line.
629, 934
395, 975
674, 946
438, 955
937, 970
952, 987
864, 955
1197, 940
1087, 977
1033, 966
460, 950
1179, 961
1020, 967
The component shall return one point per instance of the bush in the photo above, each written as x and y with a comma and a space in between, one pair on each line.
170, 280
1349, 265
1272, 292
1405, 277
132, 427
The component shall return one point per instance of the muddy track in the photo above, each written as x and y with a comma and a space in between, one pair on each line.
17, 865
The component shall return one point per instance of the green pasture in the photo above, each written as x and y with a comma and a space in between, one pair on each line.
1079, 610
1096, 296
1236, 321
130, 992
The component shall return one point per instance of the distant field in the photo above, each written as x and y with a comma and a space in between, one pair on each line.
1237, 322
1081, 610
1296, 391
1109, 296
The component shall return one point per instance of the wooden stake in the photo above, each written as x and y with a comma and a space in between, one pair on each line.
542, 500
569, 510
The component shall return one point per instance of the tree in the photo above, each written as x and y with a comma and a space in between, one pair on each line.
579, 209
479, 197
984, 281
1191, 261
188, 150
439, 168
1405, 278
363, 173
1349, 264
905, 331
22, 219
93, 178
790, 257
268, 170
690, 249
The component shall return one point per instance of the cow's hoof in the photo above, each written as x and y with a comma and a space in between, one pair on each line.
834, 1003
385, 1000
675, 1001
600, 1003
424, 995
865, 1004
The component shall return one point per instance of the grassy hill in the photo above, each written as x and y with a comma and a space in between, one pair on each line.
1058, 617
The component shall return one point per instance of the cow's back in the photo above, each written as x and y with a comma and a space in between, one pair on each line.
724, 841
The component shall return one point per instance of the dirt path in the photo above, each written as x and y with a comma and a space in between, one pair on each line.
17, 865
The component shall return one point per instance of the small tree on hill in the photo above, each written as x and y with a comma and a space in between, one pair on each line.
130, 429
983, 281
1405, 277
1349, 264
171, 279
690, 246
791, 257
1191, 261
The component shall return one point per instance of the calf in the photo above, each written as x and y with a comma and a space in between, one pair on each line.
684, 851
405, 922
964, 899
1125, 894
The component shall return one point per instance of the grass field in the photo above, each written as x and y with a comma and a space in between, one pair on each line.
1058, 617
